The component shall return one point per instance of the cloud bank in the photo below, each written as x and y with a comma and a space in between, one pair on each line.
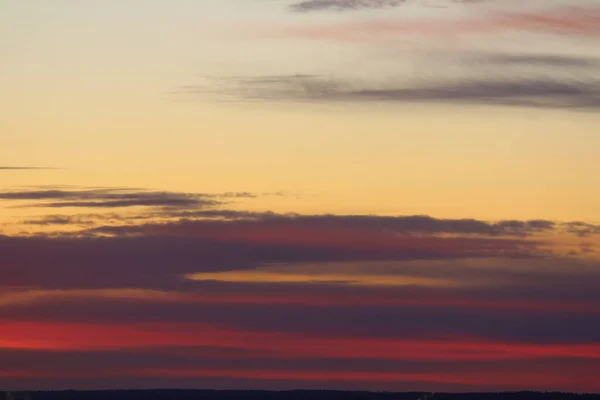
187, 291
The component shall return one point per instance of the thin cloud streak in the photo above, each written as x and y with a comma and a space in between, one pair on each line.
573, 21
117, 198
342, 5
9, 168
538, 92
78, 336
526, 79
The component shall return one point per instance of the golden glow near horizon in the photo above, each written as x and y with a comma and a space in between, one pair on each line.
459, 165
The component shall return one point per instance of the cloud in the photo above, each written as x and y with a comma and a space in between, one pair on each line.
578, 22
127, 307
583, 228
217, 220
159, 254
525, 78
412, 224
544, 60
576, 92
117, 198
156, 253
188, 290
9, 168
37, 368
529, 93
341, 5
353, 5
175, 356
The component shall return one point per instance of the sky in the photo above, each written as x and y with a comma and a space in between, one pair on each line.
317, 194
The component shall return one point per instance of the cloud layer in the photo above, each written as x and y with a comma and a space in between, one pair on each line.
188, 292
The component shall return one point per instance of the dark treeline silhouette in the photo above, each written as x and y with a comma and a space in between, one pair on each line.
168, 394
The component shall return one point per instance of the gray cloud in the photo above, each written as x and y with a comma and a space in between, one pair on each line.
540, 93
342, 5
117, 198
508, 79
418, 224
156, 253
408, 225
9, 168
353, 5
583, 228
545, 60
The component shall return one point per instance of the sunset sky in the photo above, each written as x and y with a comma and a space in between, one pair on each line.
278, 194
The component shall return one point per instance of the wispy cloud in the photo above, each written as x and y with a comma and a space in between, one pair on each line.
340, 5
117, 198
509, 79
537, 60
215, 219
354, 5
17, 168
525, 76
414, 224
574, 21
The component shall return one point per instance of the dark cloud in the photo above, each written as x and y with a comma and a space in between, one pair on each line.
173, 357
582, 228
418, 224
163, 252
117, 198
357, 319
265, 383
79, 219
156, 294
509, 296
412, 224
109, 198
262, 237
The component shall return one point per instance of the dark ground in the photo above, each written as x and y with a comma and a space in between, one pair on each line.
285, 395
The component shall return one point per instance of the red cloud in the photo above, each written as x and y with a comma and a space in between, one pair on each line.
76, 336
568, 20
